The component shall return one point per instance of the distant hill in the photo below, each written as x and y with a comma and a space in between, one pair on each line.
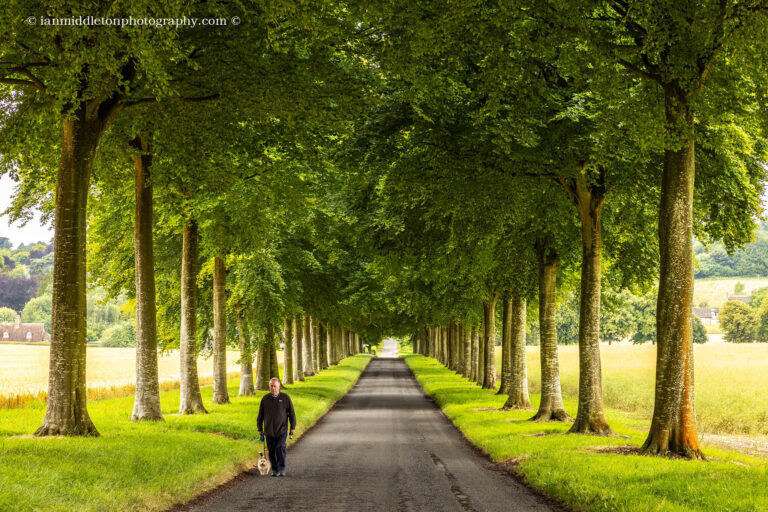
752, 261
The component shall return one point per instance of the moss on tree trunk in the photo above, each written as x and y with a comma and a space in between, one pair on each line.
220, 392
190, 399
518, 378
673, 425
551, 407
146, 405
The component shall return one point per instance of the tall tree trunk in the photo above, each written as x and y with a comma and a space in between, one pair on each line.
481, 354
146, 405
475, 347
322, 346
518, 381
551, 407
489, 343
454, 328
316, 345
67, 412
467, 343
299, 349
506, 345
288, 352
190, 399
274, 367
589, 200
246, 355
263, 364
673, 426
344, 343
327, 355
307, 346
220, 392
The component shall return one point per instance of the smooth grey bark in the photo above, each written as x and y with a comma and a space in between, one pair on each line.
246, 355
274, 367
190, 399
146, 404
299, 350
467, 344
506, 345
328, 343
66, 411
481, 354
308, 346
673, 425
263, 364
288, 352
518, 380
474, 340
316, 345
322, 347
220, 392
453, 353
551, 407
589, 199
489, 343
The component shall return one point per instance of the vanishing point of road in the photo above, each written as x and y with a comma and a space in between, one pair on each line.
384, 447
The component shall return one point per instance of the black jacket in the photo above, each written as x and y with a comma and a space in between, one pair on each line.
274, 413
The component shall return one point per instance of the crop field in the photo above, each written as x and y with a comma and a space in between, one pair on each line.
714, 292
110, 372
731, 382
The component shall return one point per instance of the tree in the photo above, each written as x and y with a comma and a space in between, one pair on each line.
119, 335
7, 315
738, 322
699, 331
16, 291
38, 310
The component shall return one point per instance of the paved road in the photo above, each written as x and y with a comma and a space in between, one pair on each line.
384, 447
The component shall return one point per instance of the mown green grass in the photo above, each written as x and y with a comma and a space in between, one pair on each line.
567, 467
147, 466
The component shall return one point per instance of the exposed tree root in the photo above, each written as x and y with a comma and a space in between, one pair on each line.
599, 428
193, 409
85, 429
147, 417
551, 415
686, 452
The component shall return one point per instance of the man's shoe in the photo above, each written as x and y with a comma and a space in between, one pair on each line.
275, 473
281, 473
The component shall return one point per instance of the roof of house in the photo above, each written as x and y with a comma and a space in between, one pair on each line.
23, 332
706, 312
742, 298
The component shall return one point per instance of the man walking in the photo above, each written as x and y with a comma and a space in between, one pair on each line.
275, 410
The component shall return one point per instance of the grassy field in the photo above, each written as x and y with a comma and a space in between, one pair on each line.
110, 372
715, 291
147, 466
586, 472
731, 382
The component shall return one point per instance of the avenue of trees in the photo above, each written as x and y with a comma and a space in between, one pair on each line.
327, 173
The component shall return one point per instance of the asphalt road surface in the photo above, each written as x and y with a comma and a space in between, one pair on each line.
384, 447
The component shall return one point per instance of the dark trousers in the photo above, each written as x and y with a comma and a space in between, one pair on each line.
277, 451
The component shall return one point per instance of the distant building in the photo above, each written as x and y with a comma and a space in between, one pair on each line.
741, 298
18, 331
708, 316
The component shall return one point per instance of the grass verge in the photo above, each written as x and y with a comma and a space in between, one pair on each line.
147, 466
581, 471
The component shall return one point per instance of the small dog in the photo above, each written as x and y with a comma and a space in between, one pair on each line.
264, 466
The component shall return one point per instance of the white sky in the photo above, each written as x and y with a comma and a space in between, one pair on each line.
32, 232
